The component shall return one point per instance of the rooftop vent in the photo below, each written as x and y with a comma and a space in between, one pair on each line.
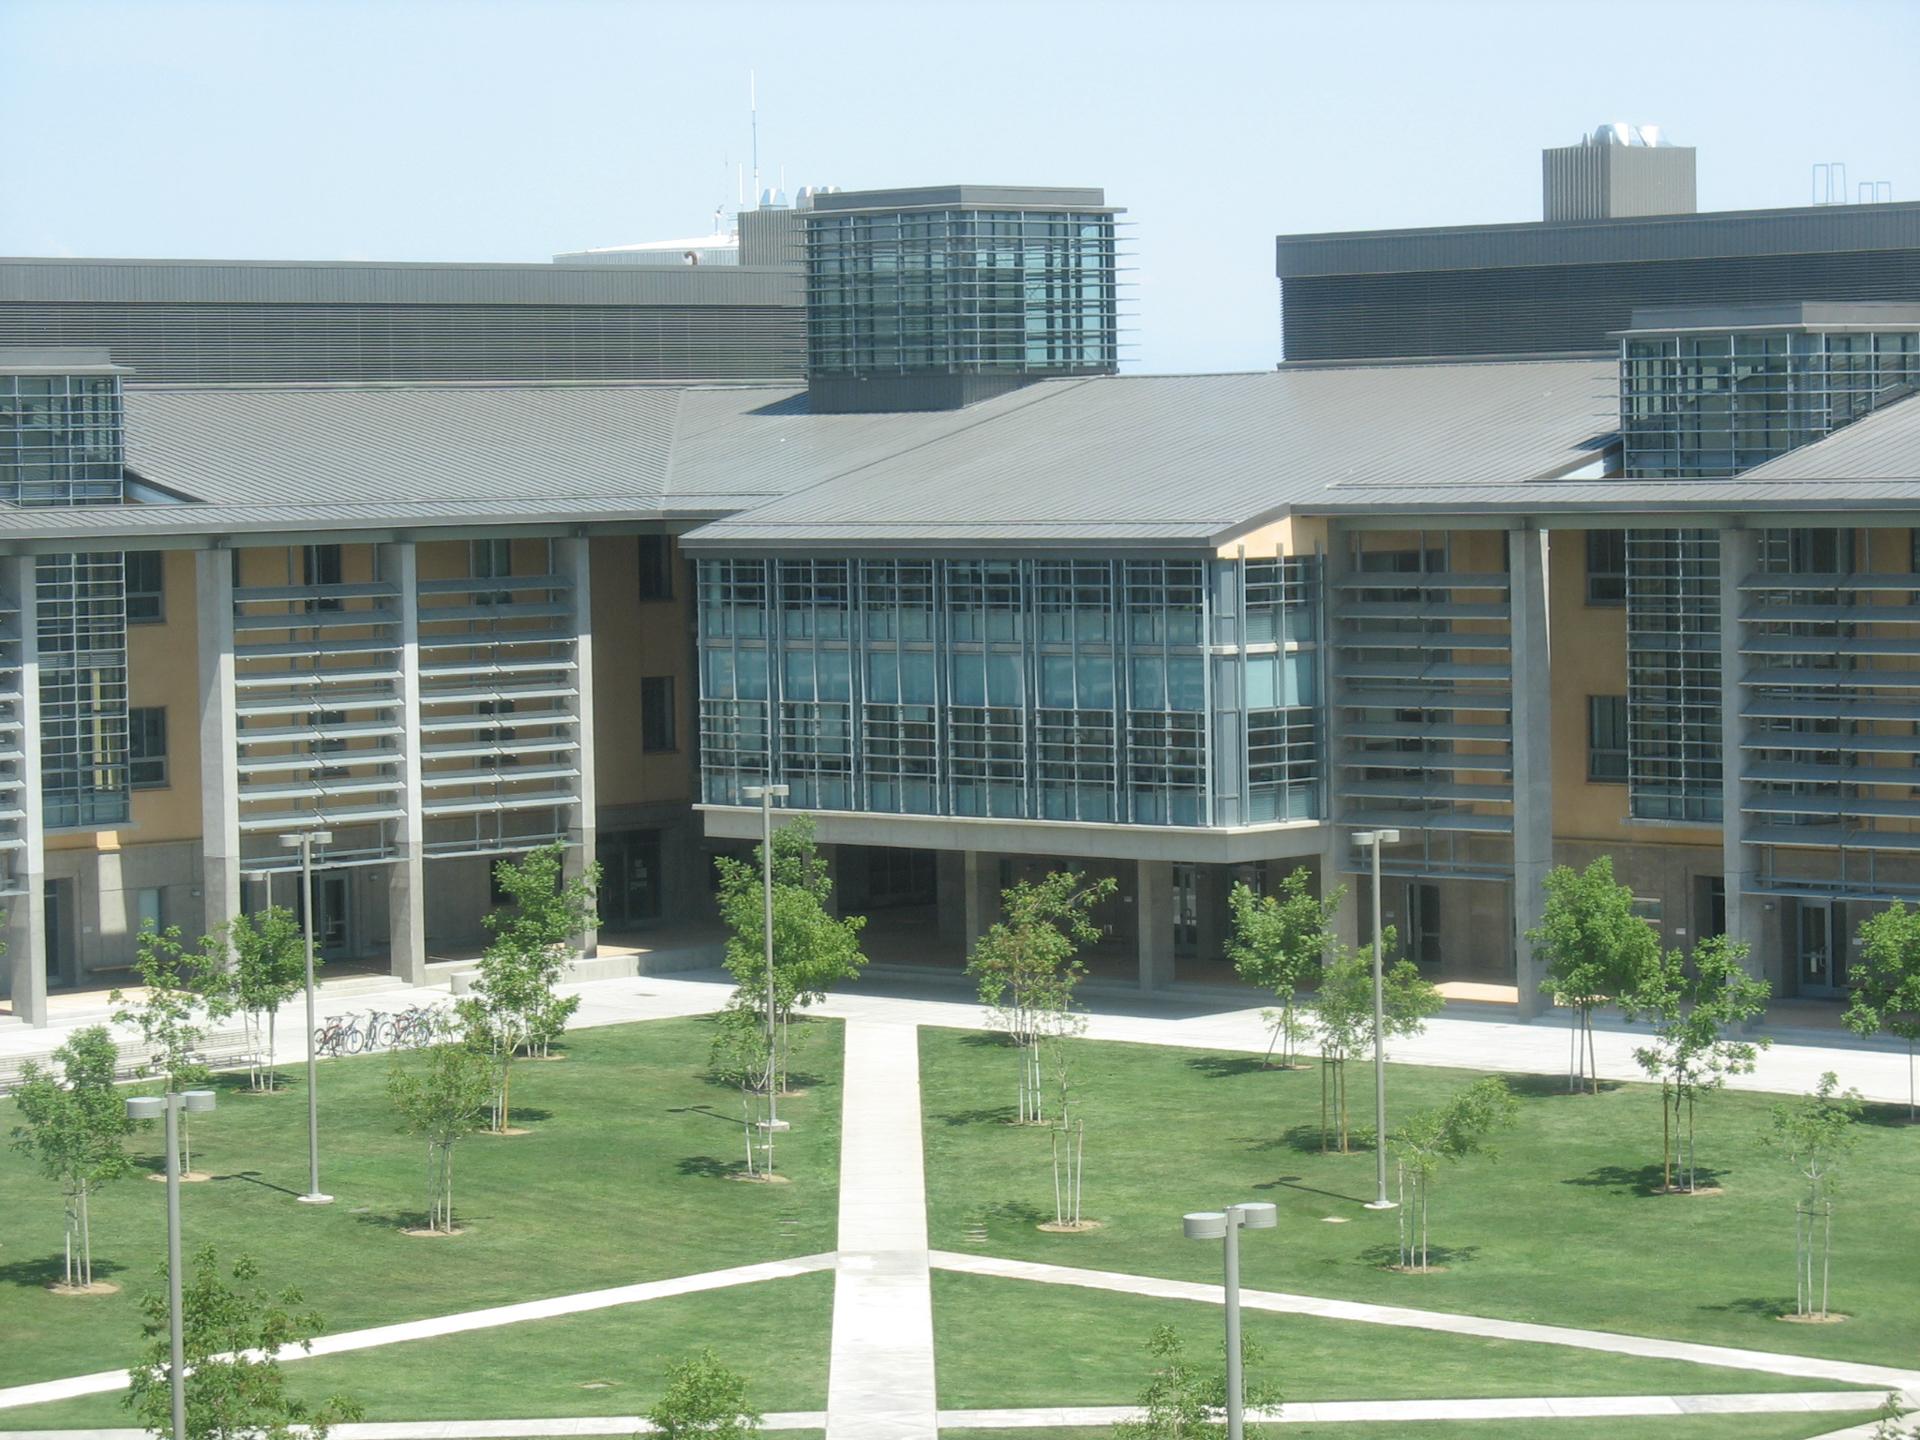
1617, 171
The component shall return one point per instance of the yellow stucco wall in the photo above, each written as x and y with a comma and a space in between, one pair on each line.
634, 639
163, 668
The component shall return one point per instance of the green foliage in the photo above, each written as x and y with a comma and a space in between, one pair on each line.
1815, 1132
1027, 966
1886, 982
184, 991
74, 1127
1343, 1020
442, 1092
812, 950
268, 967
514, 1006
233, 1333
1280, 941
1184, 1402
1593, 945
1444, 1135
1695, 1005
704, 1400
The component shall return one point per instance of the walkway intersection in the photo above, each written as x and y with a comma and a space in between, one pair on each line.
881, 1381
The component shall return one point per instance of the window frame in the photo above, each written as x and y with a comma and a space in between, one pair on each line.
158, 614
1607, 600
667, 716
136, 761
663, 589
1595, 750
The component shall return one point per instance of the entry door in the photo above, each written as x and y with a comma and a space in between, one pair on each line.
61, 969
1186, 911
1423, 924
1820, 933
332, 912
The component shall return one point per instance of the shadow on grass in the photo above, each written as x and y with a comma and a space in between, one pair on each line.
1450, 1256
997, 1039
1546, 1087
1755, 1305
252, 1177
527, 1115
1310, 1140
37, 1274
707, 1167
1292, 1182
1016, 1211
1225, 1067
1894, 1117
985, 1115
706, 1110
1638, 1180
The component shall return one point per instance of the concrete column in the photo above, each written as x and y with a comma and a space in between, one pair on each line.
1153, 919
1346, 915
219, 740
1739, 558
26, 922
980, 884
571, 559
407, 876
1532, 684
1211, 884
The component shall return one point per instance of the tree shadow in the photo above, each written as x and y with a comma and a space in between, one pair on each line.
980, 1039
37, 1274
1307, 1140
1754, 1305
1225, 1067
1016, 1211
1447, 1255
1292, 1182
1645, 1180
1546, 1087
252, 1177
706, 1110
985, 1115
527, 1114
1889, 1115
707, 1167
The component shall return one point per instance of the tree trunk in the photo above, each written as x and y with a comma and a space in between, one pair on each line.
1325, 1142
273, 1074
1666, 1138
86, 1240
1593, 1060
506, 1089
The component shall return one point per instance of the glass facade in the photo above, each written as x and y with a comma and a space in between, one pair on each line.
961, 290
1673, 675
1138, 691
1695, 406
60, 440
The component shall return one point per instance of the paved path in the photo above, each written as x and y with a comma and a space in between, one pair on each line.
880, 1382
106, 1381
1844, 1372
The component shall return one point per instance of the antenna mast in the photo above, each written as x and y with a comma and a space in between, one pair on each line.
753, 111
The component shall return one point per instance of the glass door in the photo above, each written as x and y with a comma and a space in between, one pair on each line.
1820, 940
1423, 925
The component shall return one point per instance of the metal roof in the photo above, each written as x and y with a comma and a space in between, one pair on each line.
1190, 459
1882, 446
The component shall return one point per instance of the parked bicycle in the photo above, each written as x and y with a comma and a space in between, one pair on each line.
381, 1030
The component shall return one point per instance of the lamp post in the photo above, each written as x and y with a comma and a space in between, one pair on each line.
304, 842
766, 795
1226, 1225
169, 1106
1375, 839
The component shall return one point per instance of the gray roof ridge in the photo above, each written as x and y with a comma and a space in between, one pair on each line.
291, 386
1874, 418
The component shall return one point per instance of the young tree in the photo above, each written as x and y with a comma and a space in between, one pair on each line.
1886, 982
442, 1091
183, 991
234, 1333
704, 1400
1027, 966
1594, 947
1445, 1135
1184, 1402
74, 1126
514, 1006
1343, 1022
1279, 943
812, 949
1813, 1134
1056, 1032
1695, 1009
742, 1055
268, 968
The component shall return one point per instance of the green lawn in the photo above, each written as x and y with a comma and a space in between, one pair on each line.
607, 1362
1657, 1427
622, 1178
1561, 1229
1008, 1343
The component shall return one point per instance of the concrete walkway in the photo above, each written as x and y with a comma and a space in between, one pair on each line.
880, 1382
1845, 1372
103, 1382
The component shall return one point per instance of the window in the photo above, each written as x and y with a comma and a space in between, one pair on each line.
656, 567
498, 736
1607, 739
491, 560
320, 565
657, 729
149, 908
147, 747
146, 602
1606, 567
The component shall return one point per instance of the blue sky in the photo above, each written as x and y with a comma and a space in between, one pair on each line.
502, 130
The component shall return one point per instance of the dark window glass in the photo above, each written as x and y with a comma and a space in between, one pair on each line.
147, 747
146, 602
1606, 567
320, 565
657, 729
1607, 739
656, 567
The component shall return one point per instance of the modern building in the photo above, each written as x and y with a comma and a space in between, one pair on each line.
987, 607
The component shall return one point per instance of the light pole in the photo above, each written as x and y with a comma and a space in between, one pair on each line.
1226, 1225
766, 795
154, 1107
1377, 838
304, 842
